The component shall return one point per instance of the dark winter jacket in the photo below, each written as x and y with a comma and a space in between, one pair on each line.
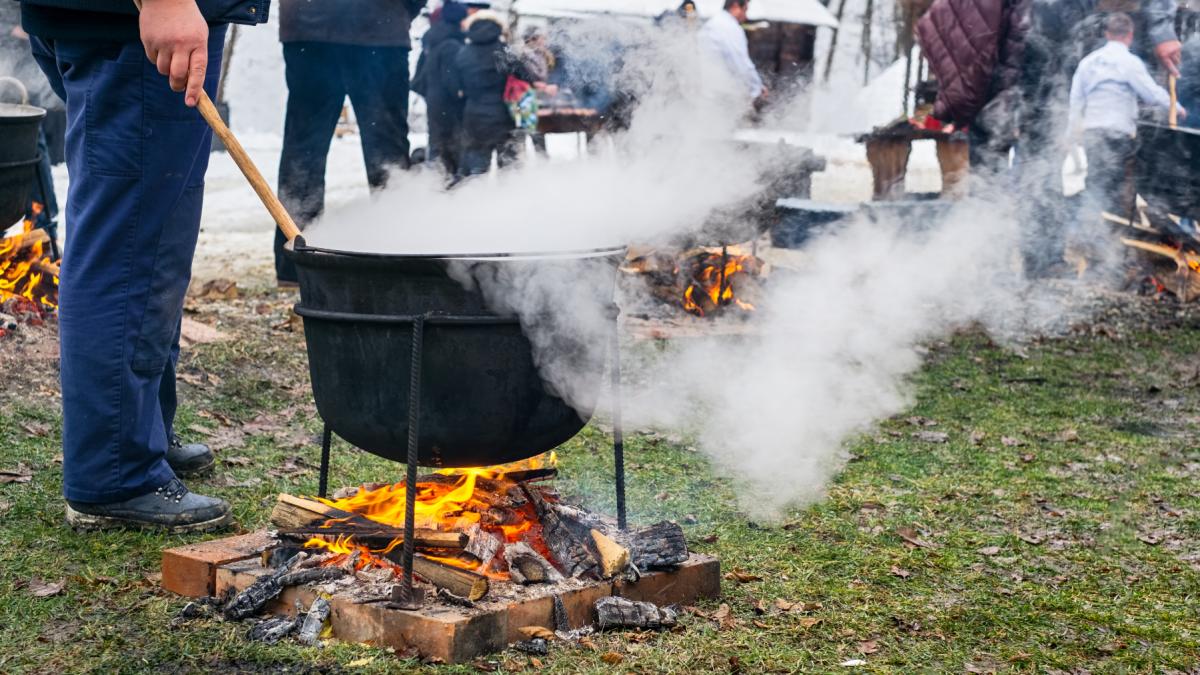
439, 49
479, 74
368, 23
117, 19
975, 50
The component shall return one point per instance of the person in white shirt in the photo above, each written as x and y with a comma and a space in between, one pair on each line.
724, 36
1105, 92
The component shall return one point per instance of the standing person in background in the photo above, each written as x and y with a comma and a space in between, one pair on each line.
1105, 92
539, 60
137, 153
1188, 87
480, 74
975, 50
725, 38
1060, 33
331, 50
440, 47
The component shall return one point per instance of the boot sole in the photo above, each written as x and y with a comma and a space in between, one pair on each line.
198, 471
87, 522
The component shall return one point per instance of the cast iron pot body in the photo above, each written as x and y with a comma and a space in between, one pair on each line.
18, 158
1166, 168
482, 399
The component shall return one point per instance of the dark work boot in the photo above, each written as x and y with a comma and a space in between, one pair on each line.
171, 507
188, 460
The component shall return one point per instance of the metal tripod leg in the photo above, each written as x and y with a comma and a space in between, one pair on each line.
404, 595
323, 478
618, 431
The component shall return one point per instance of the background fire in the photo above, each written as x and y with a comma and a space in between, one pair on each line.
27, 272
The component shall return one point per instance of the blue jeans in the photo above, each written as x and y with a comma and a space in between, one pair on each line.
137, 157
320, 75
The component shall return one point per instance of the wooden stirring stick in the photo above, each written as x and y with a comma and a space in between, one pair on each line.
209, 112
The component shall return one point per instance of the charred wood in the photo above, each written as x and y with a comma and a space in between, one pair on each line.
273, 630
659, 545
252, 599
452, 599
527, 566
311, 575
561, 535
615, 612
314, 622
297, 517
483, 546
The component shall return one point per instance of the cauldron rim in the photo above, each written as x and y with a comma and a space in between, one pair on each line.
299, 246
20, 112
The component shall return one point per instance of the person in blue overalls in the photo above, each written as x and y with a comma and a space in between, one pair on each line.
137, 151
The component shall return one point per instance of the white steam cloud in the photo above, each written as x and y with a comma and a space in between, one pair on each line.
837, 337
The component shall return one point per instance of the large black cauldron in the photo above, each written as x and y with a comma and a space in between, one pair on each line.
1166, 168
482, 400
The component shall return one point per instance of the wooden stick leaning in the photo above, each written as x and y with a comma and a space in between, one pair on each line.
209, 112
1173, 114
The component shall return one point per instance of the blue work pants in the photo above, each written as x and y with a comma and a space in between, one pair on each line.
136, 156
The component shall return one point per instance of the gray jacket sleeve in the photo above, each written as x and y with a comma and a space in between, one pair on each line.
1160, 20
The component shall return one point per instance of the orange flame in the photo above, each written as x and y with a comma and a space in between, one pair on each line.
450, 505
715, 282
26, 270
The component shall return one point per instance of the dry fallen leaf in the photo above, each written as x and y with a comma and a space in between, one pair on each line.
586, 643
977, 437
1011, 442
809, 621
742, 577
1069, 436
758, 606
1150, 538
854, 662
359, 663
910, 536
900, 572
535, 662
759, 624
237, 460
868, 646
531, 632
35, 428
612, 658
44, 589
20, 474
989, 550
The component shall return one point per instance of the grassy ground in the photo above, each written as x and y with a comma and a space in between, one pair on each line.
1053, 528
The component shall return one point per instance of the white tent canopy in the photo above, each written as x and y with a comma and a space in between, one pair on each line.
808, 12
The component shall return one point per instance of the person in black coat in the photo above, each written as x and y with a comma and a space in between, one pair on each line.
479, 75
439, 49
331, 50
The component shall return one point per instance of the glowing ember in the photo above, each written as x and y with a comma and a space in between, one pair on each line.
460, 500
26, 270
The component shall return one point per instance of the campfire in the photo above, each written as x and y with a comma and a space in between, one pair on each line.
705, 281
473, 528
28, 276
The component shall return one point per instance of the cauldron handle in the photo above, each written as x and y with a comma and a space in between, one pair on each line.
618, 431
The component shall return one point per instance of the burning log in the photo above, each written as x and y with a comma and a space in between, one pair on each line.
616, 612
659, 545
483, 546
1185, 283
304, 517
614, 558
527, 566
12, 245
461, 582
566, 544
314, 622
